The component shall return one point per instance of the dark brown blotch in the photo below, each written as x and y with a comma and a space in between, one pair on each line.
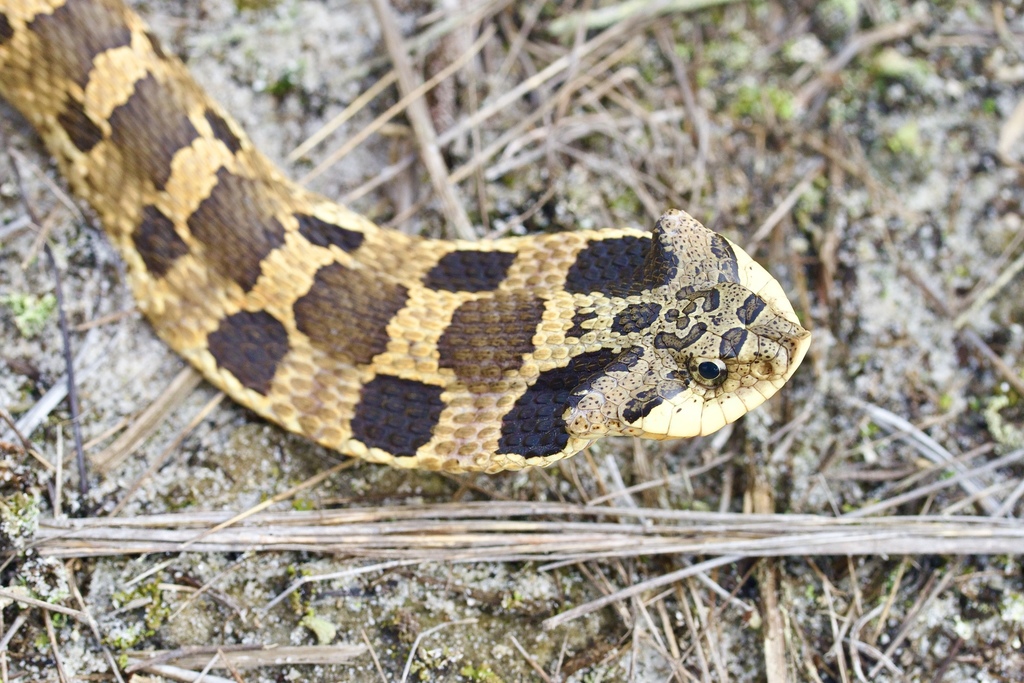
750, 309
623, 364
154, 42
636, 317
83, 133
728, 266
250, 346
222, 131
488, 337
6, 30
469, 271
347, 316
157, 242
641, 405
667, 340
237, 226
674, 342
609, 266
534, 425
577, 330
712, 300
732, 342
661, 265
396, 415
693, 334
674, 316
323, 234
62, 35
150, 128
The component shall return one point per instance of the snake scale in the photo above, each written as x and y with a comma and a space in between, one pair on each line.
442, 355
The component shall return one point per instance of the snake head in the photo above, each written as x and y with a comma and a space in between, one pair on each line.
709, 341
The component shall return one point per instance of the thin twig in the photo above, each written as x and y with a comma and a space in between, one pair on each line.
856, 45
373, 655
16, 625
41, 409
913, 613
284, 495
786, 205
664, 580
426, 634
57, 660
170, 448
413, 95
207, 586
497, 531
76, 430
926, 446
347, 113
25, 444
696, 114
230, 666
174, 655
922, 491
147, 422
4, 678
530, 660
209, 665
93, 626
25, 600
1007, 372
419, 117
177, 673
384, 566
625, 10
69, 364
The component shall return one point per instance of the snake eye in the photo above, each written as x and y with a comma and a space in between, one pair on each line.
710, 372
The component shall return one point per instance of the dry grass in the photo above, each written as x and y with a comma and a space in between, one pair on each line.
866, 525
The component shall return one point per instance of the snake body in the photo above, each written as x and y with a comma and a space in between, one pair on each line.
443, 355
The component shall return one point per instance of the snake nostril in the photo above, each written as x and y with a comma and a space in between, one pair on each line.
761, 370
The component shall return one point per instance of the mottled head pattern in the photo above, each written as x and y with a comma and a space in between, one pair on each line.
713, 338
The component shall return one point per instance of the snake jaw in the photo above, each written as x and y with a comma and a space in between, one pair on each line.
656, 396
747, 360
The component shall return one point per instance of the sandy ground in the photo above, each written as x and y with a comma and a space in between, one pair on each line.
883, 188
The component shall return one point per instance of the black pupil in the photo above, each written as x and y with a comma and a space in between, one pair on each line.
709, 370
